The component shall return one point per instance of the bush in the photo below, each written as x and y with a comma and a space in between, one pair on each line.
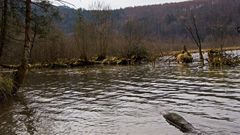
137, 52
218, 58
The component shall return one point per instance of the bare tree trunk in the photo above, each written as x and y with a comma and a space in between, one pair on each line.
195, 36
33, 42
200, 53
199, 42
20, 74
3, 26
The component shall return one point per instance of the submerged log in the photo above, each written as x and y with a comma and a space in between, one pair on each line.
179, 122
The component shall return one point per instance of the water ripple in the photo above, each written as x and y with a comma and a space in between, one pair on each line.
126, 100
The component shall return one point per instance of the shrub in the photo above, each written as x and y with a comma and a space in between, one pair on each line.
218, 58
137, 52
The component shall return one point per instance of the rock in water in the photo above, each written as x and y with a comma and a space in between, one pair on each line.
184, 56
179, 122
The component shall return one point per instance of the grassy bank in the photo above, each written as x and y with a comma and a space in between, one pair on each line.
110, 60
5, 87
73, 63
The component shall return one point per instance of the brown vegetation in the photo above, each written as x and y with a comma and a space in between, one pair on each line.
6, 85
220, 58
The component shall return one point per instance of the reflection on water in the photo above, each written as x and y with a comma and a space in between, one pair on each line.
125, 101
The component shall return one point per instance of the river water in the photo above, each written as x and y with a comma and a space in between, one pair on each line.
125, 100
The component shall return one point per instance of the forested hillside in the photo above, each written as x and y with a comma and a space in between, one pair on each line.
167, 20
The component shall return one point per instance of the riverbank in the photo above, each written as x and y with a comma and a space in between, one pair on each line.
203, 50
73, 63
110, 60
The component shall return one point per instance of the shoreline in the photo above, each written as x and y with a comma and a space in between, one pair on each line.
110, 60
234, 48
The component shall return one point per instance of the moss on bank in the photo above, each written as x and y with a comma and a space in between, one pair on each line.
6, 85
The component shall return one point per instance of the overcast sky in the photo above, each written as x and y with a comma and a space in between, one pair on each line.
114, 4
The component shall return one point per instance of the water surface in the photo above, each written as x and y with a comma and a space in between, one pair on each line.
125, 100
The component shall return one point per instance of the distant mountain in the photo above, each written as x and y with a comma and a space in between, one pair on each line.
68, 17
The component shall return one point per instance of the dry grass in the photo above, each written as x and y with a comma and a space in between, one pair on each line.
204, 50
6, 85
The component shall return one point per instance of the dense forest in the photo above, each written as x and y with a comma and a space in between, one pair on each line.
165, 23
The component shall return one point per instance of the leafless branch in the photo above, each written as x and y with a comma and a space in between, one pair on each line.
189, 29
196, 30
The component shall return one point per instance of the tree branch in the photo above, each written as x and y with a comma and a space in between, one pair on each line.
19, 40
189, 29
196, 30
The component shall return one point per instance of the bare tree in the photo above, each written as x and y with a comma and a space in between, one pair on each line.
134, 34
195, 36
20, 74
220, 25
219, 34
42, 22
82, 36
102, 21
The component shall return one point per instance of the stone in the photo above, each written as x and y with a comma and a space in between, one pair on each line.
184, 57
179, 122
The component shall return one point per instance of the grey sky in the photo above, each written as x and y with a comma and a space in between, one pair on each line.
119, 3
